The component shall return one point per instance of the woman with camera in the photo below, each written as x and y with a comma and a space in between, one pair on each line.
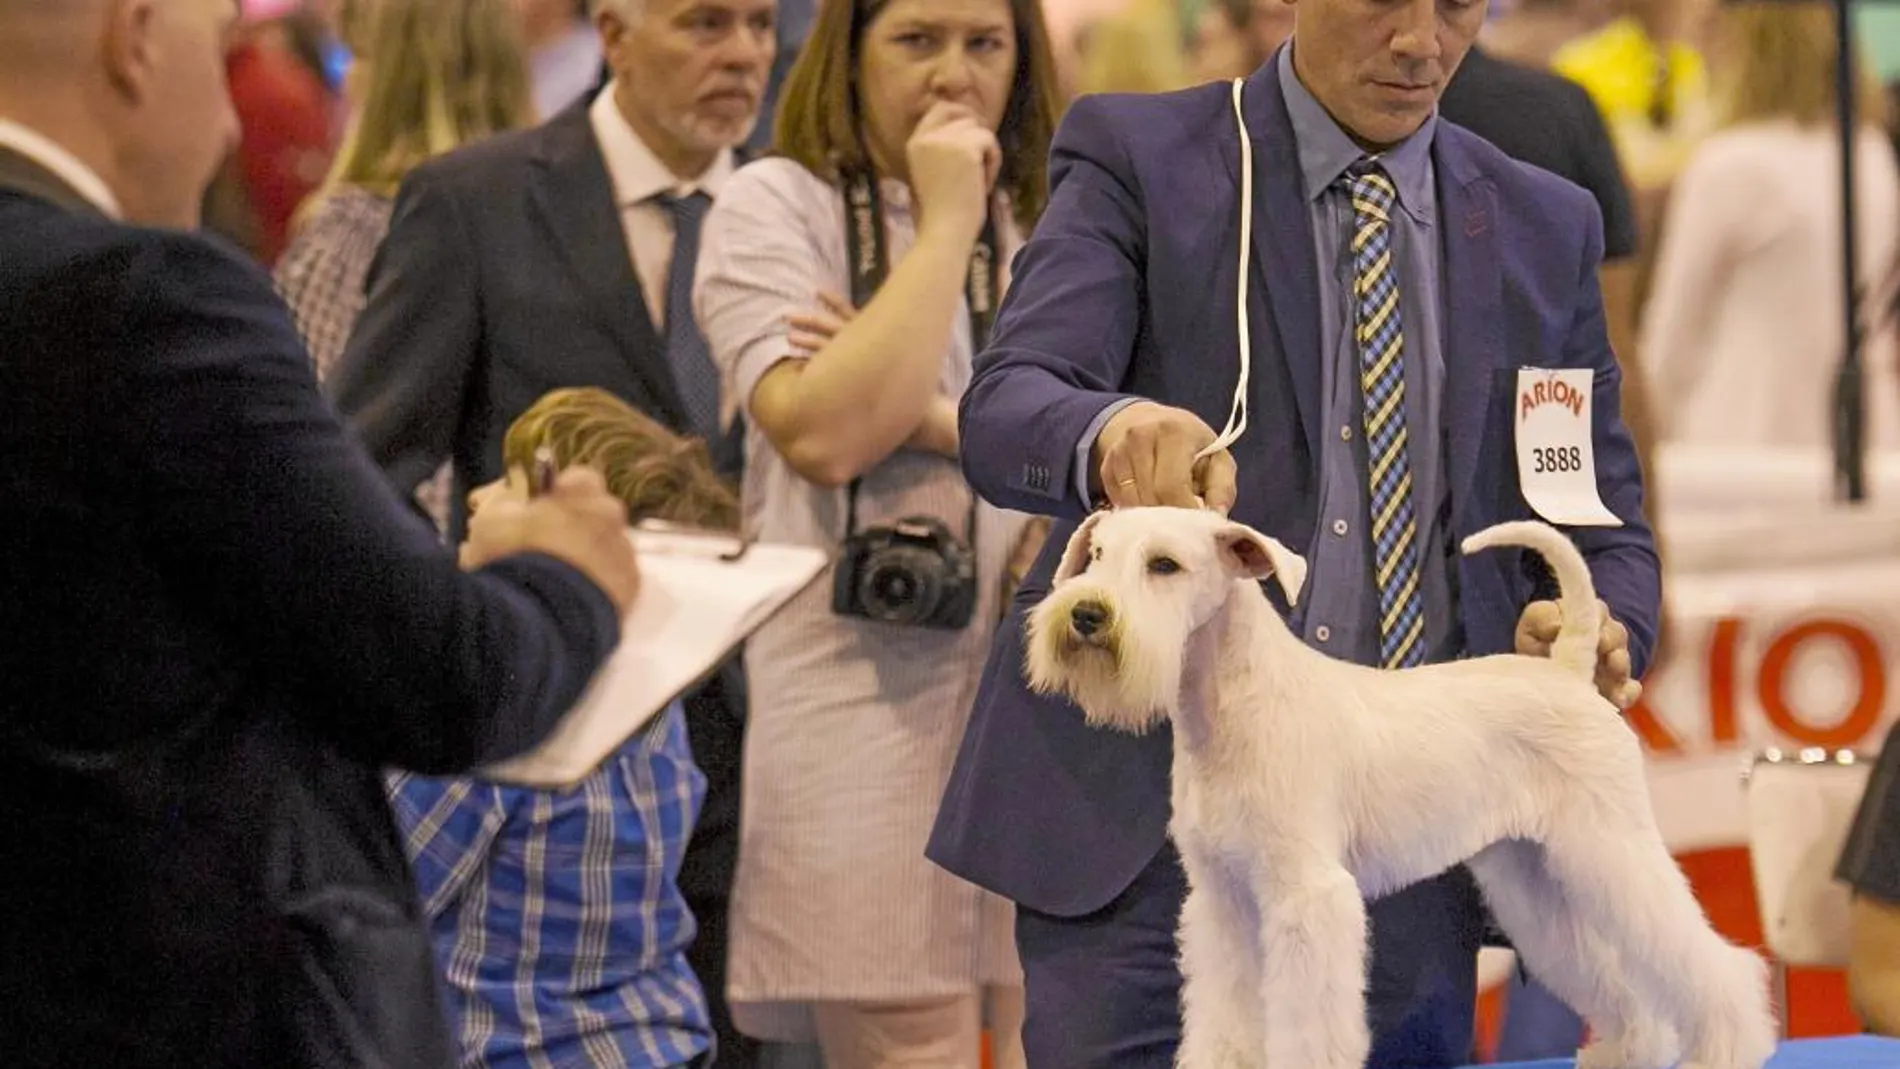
843, 287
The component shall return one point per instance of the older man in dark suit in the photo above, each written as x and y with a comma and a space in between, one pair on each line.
220, 623
1402, 272
563, 256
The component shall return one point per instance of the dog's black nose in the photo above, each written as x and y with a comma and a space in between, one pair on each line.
1088, 617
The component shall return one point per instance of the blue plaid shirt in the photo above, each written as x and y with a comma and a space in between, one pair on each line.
557, 917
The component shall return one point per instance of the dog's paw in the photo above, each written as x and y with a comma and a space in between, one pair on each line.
1627, 1052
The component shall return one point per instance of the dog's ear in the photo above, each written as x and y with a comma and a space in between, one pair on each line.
1075, 556
1246, 552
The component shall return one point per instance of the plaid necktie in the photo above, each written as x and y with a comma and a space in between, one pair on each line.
1382, 376
693, 371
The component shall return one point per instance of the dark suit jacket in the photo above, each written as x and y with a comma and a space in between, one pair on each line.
220, 623
505, 275
1128, 289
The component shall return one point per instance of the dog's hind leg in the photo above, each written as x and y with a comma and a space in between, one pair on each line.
1313, 936
1570, 959
1616, 869
1221, 1025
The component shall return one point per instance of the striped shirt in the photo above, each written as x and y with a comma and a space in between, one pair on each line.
557, 916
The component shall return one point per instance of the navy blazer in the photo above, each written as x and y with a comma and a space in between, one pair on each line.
1127, 289
221, 624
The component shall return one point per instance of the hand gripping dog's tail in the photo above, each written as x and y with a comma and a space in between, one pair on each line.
1576, 644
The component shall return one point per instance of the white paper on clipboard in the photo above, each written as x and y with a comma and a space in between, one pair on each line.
696, 606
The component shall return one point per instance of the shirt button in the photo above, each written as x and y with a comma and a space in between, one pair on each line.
1345, 433
1339, 528
1322, 632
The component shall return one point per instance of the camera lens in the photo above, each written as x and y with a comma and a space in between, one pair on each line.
900, 587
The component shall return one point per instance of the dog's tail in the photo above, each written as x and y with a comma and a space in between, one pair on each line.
1576, 645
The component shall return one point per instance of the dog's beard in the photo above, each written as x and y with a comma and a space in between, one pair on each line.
1110, 677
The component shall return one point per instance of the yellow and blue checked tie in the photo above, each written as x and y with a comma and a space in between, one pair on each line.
1382, 376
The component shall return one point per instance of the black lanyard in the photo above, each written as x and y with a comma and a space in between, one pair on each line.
870, 264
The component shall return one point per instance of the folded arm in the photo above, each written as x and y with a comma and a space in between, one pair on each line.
869, 389
278, 527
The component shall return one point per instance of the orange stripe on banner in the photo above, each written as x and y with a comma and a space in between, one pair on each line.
1860, 720
1657, 739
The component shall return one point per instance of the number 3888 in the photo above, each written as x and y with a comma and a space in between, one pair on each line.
1557, 458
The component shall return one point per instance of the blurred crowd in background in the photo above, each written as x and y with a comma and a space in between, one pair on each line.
1730, 105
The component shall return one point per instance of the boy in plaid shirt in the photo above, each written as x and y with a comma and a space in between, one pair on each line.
557, 916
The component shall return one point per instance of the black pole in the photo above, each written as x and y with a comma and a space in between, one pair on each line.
1850, 454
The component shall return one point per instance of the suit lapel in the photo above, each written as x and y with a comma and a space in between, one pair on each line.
574, 197
1474, 303
1283, 264
22, 175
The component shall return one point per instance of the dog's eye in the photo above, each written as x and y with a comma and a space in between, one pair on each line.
1163, 566
1095, 553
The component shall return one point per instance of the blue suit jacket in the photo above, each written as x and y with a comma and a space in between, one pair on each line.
1127, 289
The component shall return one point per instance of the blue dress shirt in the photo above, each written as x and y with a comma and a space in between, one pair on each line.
1339, 606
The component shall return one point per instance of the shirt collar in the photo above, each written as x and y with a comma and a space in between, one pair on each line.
1326, 151
65, 166
637, 174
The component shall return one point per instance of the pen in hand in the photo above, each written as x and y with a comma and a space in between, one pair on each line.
544, 472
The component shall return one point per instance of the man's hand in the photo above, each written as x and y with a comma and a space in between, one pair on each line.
1145, 456
577, 521
1538, 627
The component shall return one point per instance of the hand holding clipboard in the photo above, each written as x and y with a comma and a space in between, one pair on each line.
702, 594
568, 515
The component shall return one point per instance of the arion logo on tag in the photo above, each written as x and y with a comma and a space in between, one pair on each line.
1556, 461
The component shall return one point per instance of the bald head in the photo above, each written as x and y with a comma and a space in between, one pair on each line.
134, 89
41, 31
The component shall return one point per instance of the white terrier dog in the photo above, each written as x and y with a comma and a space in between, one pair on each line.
1304, 786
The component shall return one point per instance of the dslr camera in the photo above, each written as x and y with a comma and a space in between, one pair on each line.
914, 573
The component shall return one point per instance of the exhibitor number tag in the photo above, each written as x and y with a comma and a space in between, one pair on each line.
1556, 464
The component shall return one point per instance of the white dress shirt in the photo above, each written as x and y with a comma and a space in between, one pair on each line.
638, 177
65, 166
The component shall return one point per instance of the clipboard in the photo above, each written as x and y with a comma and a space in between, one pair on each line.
702, 594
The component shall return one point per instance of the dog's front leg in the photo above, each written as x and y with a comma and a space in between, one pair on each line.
1220, 989
1313, 936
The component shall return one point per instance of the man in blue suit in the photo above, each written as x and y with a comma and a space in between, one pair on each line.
1394, 257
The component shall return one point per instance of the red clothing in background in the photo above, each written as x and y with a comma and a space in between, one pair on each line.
285, 112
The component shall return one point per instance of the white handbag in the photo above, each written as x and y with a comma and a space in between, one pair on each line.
1801, 806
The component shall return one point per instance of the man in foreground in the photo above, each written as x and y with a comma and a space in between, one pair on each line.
1401, 271
220, 621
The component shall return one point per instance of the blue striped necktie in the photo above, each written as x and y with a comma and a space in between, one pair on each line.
1380, 335
694, 375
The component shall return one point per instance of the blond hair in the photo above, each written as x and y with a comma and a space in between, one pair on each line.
440, 74
1782, 65
659, 474
1139, 49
